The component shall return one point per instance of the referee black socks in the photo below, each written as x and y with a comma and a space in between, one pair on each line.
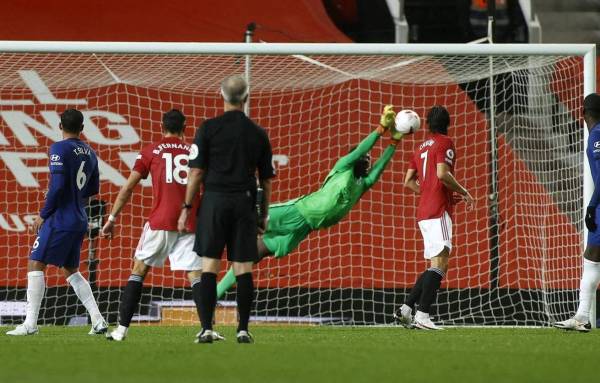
244, 298
208, 299
197, 295
432, 279
131, 299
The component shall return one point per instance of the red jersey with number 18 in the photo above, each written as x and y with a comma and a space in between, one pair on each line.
167, 162
435, 197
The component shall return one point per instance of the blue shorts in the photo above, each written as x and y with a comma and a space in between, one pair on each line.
594, 237
57, 247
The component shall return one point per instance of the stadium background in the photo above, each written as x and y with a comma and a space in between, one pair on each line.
183, 21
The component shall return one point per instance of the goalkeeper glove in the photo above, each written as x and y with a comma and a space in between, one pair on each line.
388, 117
590, 218
396, 135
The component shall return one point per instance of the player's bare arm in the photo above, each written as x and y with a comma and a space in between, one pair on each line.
193, 186
445, 175
120, 202
410, 181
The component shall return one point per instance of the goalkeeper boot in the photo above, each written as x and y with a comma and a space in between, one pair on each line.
404, 316
423, 322
205, 336
23, 330
573, 324
244, 337
100, 327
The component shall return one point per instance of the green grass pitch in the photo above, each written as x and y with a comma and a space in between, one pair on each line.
303, 354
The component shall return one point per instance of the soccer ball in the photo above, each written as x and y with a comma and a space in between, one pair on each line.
407, 121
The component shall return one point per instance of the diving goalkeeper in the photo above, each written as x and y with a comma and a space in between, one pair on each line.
290, 222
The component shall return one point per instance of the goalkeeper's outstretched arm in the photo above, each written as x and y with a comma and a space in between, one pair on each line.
380, 165
385, 122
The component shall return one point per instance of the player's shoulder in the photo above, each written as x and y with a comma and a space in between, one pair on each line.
62, 146
595, 133
262, 132
58, 147
151, 148
442, 141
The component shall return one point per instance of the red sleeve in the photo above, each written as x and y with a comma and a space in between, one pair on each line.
142, 162
445, 153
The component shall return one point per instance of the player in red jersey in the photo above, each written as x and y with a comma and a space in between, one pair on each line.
167, 162
430, 175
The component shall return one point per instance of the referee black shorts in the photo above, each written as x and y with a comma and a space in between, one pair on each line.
227, 219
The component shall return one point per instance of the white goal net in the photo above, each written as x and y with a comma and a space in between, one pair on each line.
516, 256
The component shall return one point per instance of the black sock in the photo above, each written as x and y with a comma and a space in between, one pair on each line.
196, 294
208, 299
244, 298
415, 292
130, 299
431, 283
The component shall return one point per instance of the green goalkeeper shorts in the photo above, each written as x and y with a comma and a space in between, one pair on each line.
287, 228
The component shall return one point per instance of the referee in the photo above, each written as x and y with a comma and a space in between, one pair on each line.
227, 152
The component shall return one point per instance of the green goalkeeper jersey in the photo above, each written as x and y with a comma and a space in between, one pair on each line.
341, 189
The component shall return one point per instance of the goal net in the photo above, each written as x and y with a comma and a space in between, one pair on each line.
515, 257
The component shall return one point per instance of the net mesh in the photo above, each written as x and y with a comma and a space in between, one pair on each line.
516, 255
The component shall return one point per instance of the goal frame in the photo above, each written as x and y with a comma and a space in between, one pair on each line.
586, 51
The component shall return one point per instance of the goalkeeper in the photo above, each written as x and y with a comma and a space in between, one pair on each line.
290, 222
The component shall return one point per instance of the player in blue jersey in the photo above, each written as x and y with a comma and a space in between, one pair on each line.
62, 223
591, 256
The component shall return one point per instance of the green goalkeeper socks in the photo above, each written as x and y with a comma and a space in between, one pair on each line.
225, 283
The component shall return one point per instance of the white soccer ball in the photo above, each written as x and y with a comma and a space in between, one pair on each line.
407, 121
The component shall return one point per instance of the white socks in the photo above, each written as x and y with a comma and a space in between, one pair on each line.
36, 287
588, 285
84, 293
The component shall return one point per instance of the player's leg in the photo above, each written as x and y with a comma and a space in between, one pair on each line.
244, 298
36, 287
588, 284
243, 253
83, 291
80, 284
228, 279
437, 239
208, 298
182, 257
152, 251
195, 276
287, 228
432, 279
41, 255
130, 299
213, 226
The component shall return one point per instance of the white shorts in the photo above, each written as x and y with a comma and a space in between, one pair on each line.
437, 234
156, 245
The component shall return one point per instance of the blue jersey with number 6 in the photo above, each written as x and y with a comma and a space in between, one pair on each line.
74, 177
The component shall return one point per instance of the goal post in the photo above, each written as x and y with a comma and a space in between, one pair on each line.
316, 101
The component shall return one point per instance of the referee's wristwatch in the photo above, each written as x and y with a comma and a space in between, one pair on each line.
186, 206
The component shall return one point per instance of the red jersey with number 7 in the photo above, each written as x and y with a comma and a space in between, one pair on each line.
435, 198
167, 162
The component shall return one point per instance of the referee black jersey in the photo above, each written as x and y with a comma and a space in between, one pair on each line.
230, 148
